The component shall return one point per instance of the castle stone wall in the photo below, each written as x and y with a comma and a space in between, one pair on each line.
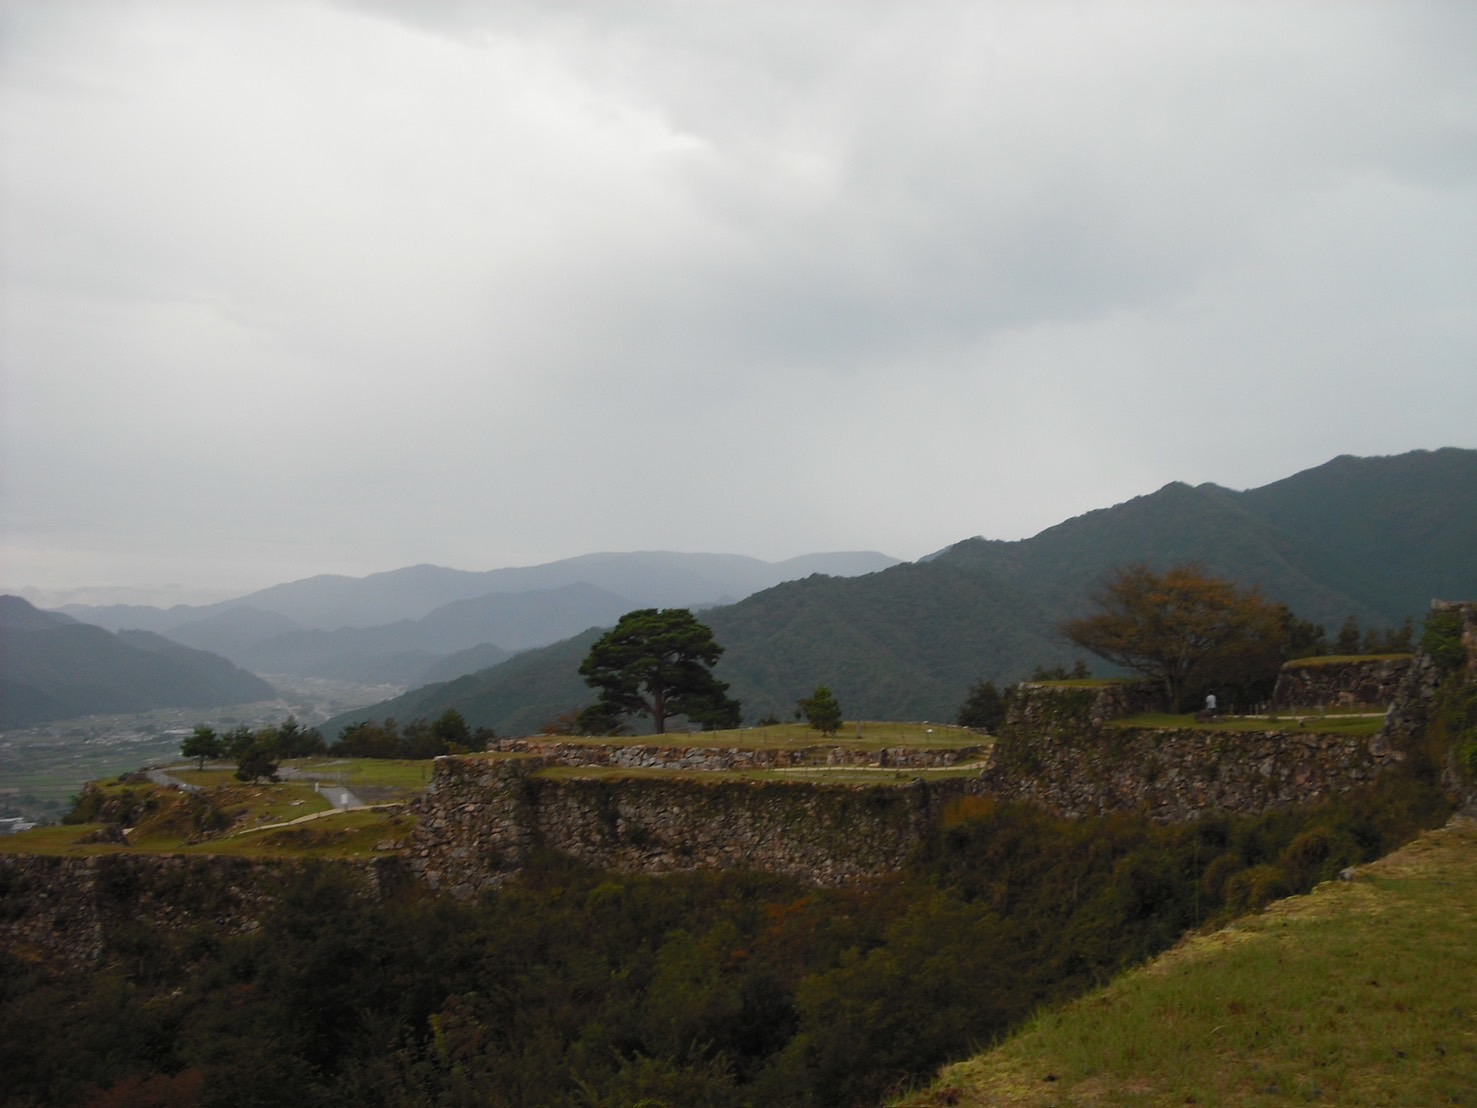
481, 818
710, 758
1371, 683
1174, 775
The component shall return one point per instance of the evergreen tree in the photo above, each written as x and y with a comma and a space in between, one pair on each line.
658, 663
822, 711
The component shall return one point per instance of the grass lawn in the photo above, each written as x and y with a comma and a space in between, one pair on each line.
254, 812
1341, 660
855, 735
333, 835
1331, 723
358, 775
1362, 992
838, 775
341, 835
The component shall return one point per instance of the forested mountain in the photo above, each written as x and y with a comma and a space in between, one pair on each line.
1375, 538
53, 667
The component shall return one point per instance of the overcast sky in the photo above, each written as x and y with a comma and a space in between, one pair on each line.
296, 288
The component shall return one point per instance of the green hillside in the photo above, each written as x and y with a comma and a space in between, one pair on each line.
57, 668
1384, 531
1360, 993
1375, 538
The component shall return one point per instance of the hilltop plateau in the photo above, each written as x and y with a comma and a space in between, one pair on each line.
770, 915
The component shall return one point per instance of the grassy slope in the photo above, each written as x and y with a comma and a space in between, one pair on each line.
1363, 992
256, 814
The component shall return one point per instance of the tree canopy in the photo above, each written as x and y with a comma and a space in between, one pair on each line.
203, 743
1183, 629
984, 709
657, 663
449, 733
822, 710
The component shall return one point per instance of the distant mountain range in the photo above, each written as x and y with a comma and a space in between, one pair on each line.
1376, 538
425, 623
53, 667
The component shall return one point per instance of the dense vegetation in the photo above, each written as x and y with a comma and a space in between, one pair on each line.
573, 986
448, 733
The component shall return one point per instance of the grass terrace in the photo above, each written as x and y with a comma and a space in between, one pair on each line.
1323, 723
823, 775
341, 835
1341, 660
853, 735
287, 818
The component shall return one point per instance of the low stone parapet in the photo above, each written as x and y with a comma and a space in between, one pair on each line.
1370, 683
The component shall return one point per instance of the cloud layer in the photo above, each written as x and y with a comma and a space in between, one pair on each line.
334, 287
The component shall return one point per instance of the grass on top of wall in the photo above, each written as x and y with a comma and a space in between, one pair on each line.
853, 734
1330, 723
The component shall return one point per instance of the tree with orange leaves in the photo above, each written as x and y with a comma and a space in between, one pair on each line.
1183, 629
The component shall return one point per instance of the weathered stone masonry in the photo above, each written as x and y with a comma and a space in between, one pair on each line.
482, 817
647, 755
1056, 751
1174, 775
1358, 683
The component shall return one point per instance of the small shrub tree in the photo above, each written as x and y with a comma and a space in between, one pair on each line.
203, 743
1441, 638
984, 708
822, 711
257, 762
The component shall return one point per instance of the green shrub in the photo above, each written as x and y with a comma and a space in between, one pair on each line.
1441, 638
1255, 888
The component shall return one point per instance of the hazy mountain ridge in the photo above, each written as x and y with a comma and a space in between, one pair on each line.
55, 667
332, 601
906, 643
403, 652
406, 626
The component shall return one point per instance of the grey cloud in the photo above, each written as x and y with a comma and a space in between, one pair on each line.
352, 285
